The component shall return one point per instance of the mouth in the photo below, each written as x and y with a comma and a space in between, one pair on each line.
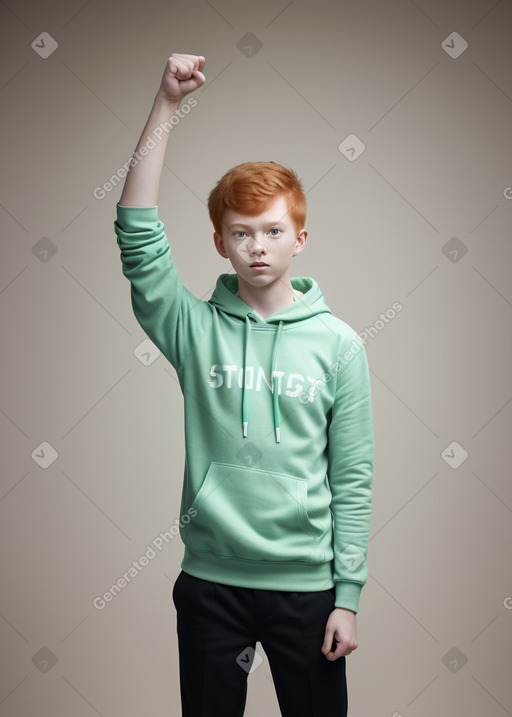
258, 263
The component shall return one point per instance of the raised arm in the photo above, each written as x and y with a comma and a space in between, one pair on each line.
182, 75
171, 316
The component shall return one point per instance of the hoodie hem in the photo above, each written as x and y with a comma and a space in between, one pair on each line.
265, 574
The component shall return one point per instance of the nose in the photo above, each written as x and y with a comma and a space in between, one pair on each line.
256, 245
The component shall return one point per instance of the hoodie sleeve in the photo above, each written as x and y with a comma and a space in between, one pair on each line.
351, 458
171, 316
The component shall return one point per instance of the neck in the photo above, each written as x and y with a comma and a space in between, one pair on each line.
266, 300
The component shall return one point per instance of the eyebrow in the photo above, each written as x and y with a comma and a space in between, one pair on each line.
267, 224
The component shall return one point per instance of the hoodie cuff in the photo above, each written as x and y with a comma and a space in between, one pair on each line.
133, 219
347, 595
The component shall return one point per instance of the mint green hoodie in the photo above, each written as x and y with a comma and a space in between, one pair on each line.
279, 466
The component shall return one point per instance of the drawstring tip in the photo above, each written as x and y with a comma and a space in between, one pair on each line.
278, 434
245, 425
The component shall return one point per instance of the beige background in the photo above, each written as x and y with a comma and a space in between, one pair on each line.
422, 217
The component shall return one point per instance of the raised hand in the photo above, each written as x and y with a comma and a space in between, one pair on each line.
182, 75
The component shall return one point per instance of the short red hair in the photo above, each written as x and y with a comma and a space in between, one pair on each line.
251, 187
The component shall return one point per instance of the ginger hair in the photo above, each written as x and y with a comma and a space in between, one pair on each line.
251, 187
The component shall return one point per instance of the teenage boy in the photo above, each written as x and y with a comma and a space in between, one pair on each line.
276, 499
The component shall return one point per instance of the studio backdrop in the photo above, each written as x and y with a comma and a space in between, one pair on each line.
397, 116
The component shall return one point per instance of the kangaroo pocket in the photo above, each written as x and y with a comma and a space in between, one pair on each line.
253, 514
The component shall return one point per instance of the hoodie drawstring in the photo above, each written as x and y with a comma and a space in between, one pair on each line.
245, 410
275, 401
275, 397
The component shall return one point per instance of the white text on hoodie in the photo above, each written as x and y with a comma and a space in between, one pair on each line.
231, 376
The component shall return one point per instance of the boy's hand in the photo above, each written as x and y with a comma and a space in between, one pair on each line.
182, 75
340, 628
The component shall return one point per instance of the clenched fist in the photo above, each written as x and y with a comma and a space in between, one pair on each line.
182, 75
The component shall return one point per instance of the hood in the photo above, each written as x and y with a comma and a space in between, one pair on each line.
310, 304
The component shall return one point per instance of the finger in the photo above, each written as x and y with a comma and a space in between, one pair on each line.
184, 71
197, 61
340, 651
328, 639
181, 69
199, 76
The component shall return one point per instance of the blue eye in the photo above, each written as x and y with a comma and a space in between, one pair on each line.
274, 230
237, 234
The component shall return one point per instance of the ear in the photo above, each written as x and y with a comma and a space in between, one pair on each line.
300, 242
219, 245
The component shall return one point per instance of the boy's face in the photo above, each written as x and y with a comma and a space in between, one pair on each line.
260, 247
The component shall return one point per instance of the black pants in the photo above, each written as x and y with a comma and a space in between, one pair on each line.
218, 626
